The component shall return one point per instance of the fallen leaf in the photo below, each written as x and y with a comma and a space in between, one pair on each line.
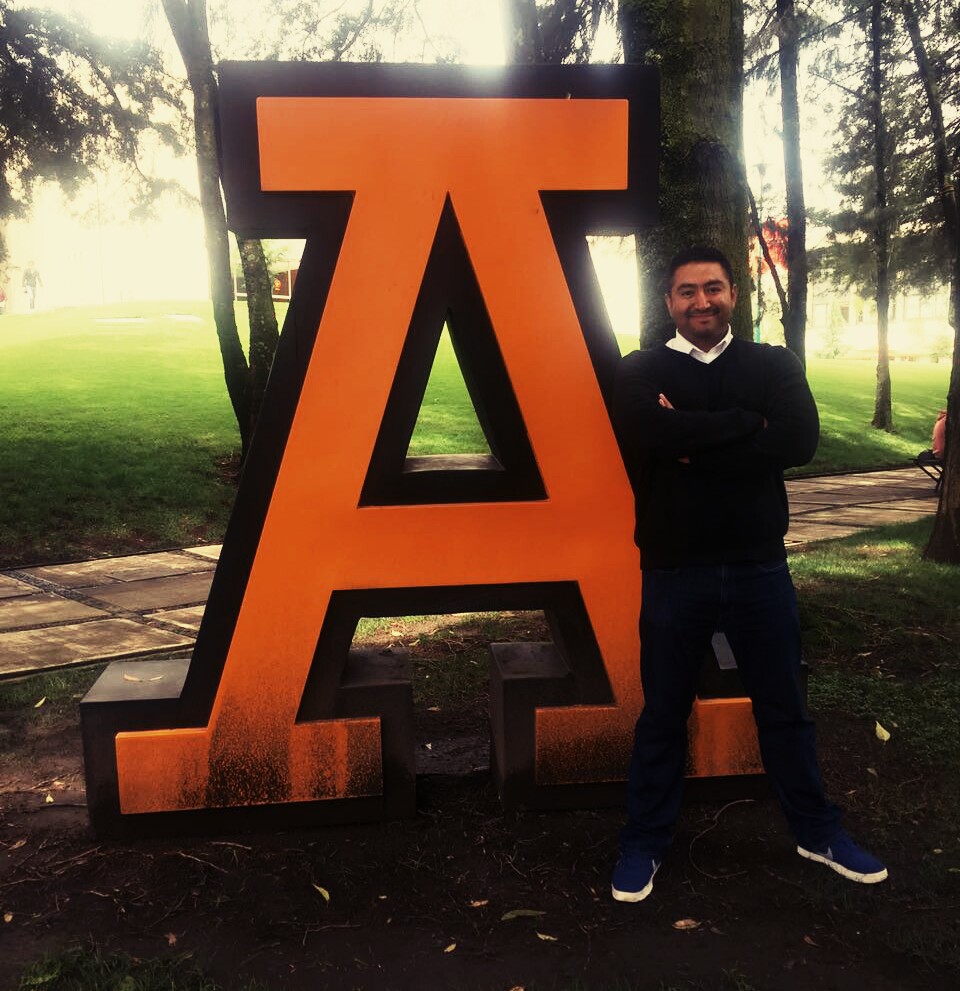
156, 677
19, 843
872, 771
171, 939
810, 941
686, 924
429, 746
478, 903
37, 705
49, 799
434, 708
382, 898
882, 734
935, 849
546, 937
450, 948
131, 677
8, 916
520, 913
396, 633
324, 894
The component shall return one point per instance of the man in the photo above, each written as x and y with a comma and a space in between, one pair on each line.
707, 424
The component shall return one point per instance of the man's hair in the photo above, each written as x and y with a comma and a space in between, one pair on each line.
696, 253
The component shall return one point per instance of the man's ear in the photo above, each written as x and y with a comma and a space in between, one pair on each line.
733, 295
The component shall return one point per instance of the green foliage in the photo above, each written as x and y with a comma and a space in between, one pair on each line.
845, 396
447, 423
68, 97
919, 258
873, 598
60, 689
114, 420
554, 31
115, 429
91, 968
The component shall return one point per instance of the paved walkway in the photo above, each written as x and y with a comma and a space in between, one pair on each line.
67, 614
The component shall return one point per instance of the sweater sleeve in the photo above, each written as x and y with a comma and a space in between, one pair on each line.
792, 426
646, 428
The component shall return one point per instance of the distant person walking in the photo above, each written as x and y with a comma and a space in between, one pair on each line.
31, 282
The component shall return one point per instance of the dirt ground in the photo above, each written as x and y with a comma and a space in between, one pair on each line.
430, 902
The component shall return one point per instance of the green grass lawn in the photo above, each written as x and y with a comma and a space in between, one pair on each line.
114, 424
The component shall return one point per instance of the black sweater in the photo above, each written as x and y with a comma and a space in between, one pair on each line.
740, 420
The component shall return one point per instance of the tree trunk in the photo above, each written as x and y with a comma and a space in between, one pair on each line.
245, 381
944, 544
524, 42
549, 34
698, 47
795, 314
188, 22
883, 407
263, 327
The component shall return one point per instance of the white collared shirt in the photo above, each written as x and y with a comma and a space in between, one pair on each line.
678, 343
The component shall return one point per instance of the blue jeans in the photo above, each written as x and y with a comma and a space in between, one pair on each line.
755, 605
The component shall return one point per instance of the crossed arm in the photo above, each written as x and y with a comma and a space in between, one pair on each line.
781, 434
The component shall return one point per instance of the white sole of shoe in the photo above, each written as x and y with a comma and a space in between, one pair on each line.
634, 896
844, 871
631, 896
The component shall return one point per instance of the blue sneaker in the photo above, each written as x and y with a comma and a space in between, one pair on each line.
848, 860
633, 877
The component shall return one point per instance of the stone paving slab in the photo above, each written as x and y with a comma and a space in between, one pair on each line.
925, 506
809, 502
859, 483
865, 515
42, 608
188, 618
11, 587
154, 593
171, 587
802, 532
136, 567
57, 646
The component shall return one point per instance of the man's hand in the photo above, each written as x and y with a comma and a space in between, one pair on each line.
666, 404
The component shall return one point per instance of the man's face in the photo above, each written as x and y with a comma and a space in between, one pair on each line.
700, 302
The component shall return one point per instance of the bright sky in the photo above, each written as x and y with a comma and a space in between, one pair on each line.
87, 252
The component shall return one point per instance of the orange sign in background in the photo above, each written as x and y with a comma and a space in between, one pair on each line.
408, 162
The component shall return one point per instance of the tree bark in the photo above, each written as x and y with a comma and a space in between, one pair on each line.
245, 380
944, 544
548, 34
883, 407
698, 47
795, 313
524, 41
188, 22
264, 334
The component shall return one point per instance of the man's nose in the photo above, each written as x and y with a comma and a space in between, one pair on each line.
700, 301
